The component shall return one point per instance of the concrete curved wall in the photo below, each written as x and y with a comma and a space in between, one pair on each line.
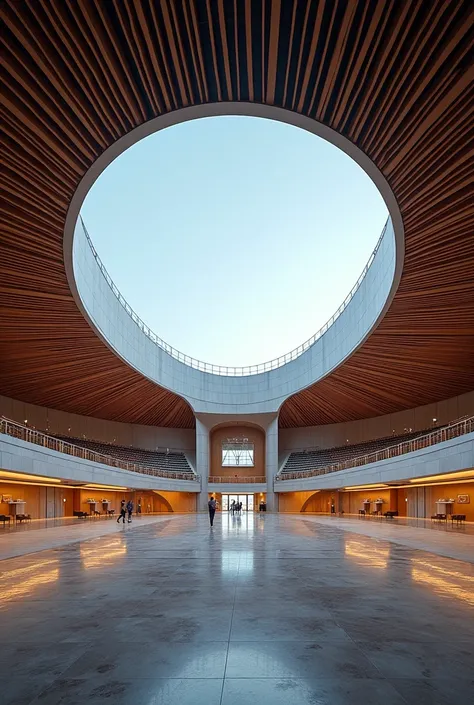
151, 437
449, 456
19, 456
209, 393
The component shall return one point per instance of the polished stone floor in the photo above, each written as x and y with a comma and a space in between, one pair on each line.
260, 609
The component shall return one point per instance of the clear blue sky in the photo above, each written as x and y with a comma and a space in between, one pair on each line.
234, 238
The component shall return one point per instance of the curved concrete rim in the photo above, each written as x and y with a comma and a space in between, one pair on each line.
215, 110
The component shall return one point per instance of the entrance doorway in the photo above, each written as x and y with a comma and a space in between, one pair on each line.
246, 499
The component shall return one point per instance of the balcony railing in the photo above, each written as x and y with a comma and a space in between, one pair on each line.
447, 433
222, 369
238, 480
16, 430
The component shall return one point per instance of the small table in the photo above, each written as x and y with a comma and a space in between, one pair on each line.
92, 507
444, 508
16, 508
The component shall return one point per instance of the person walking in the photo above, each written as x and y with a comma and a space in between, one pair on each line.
129, 510
232, 507
122, 512
212, 504
139, 506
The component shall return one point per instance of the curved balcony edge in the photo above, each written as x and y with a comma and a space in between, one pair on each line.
208, 392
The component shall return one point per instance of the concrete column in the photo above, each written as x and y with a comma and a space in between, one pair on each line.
271, 463
202, 462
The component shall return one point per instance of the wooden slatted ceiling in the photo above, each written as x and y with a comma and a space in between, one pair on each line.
394, 77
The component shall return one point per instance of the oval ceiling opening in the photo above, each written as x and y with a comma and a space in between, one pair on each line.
234, 238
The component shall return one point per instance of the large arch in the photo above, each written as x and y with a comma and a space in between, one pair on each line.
393, 78
164, 500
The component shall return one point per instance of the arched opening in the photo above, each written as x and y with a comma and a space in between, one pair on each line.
309, 502
237, 452
317, 502
161, 503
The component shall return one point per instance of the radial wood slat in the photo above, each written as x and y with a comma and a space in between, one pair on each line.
395, 78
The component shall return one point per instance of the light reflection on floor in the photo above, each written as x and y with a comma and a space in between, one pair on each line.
267, 609
103, 555
367, 554
22, 582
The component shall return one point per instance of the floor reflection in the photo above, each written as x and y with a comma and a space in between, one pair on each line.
100, 556
291, 610
443, 581
24, 581
366, 553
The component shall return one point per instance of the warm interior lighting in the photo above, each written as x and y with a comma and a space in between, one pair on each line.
433, 484
32, 484
105, 554
443, 586
447, 476
374, 557
22, 476
21, 582
365, 487
104, 487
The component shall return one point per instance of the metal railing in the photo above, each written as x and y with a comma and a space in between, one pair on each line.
222, 369
237, 480
16, 430
458, 428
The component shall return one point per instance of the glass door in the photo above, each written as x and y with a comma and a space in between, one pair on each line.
246, 499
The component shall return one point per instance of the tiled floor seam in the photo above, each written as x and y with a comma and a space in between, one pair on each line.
230, 634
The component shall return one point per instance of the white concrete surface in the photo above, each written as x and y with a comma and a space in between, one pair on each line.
456, 454
19, 456
207, 392
449, 544
19, 543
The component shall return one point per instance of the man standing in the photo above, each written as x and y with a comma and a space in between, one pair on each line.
129, 510
212, 504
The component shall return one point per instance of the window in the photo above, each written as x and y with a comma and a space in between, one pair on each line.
237, 453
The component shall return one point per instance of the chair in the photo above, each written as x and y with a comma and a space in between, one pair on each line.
23, 517
390, 515
458, 518
80, 515
5, 518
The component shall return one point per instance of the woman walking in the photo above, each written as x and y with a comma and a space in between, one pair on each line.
122, 512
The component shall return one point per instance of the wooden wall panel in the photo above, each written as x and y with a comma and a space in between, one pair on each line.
254, 435
393, 77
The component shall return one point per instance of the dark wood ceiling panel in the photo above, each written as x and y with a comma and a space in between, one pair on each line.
396, 78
